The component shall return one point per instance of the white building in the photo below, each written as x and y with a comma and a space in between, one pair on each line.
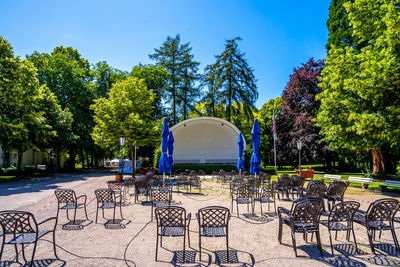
205, 140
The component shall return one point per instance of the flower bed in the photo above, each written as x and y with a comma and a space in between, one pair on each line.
307, 172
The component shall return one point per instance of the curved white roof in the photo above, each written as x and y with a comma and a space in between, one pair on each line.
205, 140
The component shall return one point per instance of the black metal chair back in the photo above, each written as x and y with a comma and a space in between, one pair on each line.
66, 196
171, 216
18, 222
343, 212
105, 195
316, 189
380, 211
308, 212
214, 216
336, 190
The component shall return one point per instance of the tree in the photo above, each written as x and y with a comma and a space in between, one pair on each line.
68, 76
360, 99
128, 112
156, 79
299, 108
232, 80
24, 122
265, 121
104, 77
177, 59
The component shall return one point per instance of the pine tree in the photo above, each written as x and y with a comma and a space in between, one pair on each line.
177, 59
232, 79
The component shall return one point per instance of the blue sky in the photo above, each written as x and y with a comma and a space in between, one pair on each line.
277, 35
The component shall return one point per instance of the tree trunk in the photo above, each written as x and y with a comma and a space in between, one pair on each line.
133, 160
82, 159
71, 163
380, 163
19, 161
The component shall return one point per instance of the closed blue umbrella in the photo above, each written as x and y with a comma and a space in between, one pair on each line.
240, 163
255, 158
170, 151
163, 166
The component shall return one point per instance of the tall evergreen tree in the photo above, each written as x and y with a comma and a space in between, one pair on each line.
176, 58
232, 79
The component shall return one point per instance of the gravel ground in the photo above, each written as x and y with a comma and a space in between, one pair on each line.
252, 239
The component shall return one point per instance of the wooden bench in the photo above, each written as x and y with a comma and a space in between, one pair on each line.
331, 177
389, 183
360, 180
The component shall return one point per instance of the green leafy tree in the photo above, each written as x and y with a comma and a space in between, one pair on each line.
265, 121
177, 59
104, 76
360, 101
156, 79
68, 76
128, 112
232, 80
23, 122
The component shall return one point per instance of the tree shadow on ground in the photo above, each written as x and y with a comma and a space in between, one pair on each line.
385, 255
333, 260
43, 183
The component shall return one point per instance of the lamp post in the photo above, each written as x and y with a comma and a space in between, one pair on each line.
122, 142
299, 148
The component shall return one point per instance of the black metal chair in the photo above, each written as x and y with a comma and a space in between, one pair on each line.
282, 185
379, 217
341, 219
297, 185
266, 194
142, 188
107, 199
67, 200
213, 222
160, 197
303, 219
335, 192
243, 195
315, 189
172, 222
21, 228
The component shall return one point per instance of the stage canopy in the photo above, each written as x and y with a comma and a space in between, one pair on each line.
205, 140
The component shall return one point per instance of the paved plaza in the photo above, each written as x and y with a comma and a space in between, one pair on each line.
252, 239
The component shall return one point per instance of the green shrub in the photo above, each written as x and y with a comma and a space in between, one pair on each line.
10, 169
208, 168
157, 155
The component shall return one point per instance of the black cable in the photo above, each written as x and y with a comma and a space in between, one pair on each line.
126, 248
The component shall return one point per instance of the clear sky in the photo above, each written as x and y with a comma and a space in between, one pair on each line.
277, 35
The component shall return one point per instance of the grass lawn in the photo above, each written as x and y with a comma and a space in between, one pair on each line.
6, 178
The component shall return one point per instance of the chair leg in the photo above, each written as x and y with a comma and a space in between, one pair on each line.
200, 244
280, 231
355, 241
262, 214
319, 242
294, 241
85, 212
330, 240
75, 214
23, 252
227, 247
97, 212
157, 247
120, 211
237, 208
396, 243
371, 242
188, 233
184, 243
33, 252
2, 247
54, 244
